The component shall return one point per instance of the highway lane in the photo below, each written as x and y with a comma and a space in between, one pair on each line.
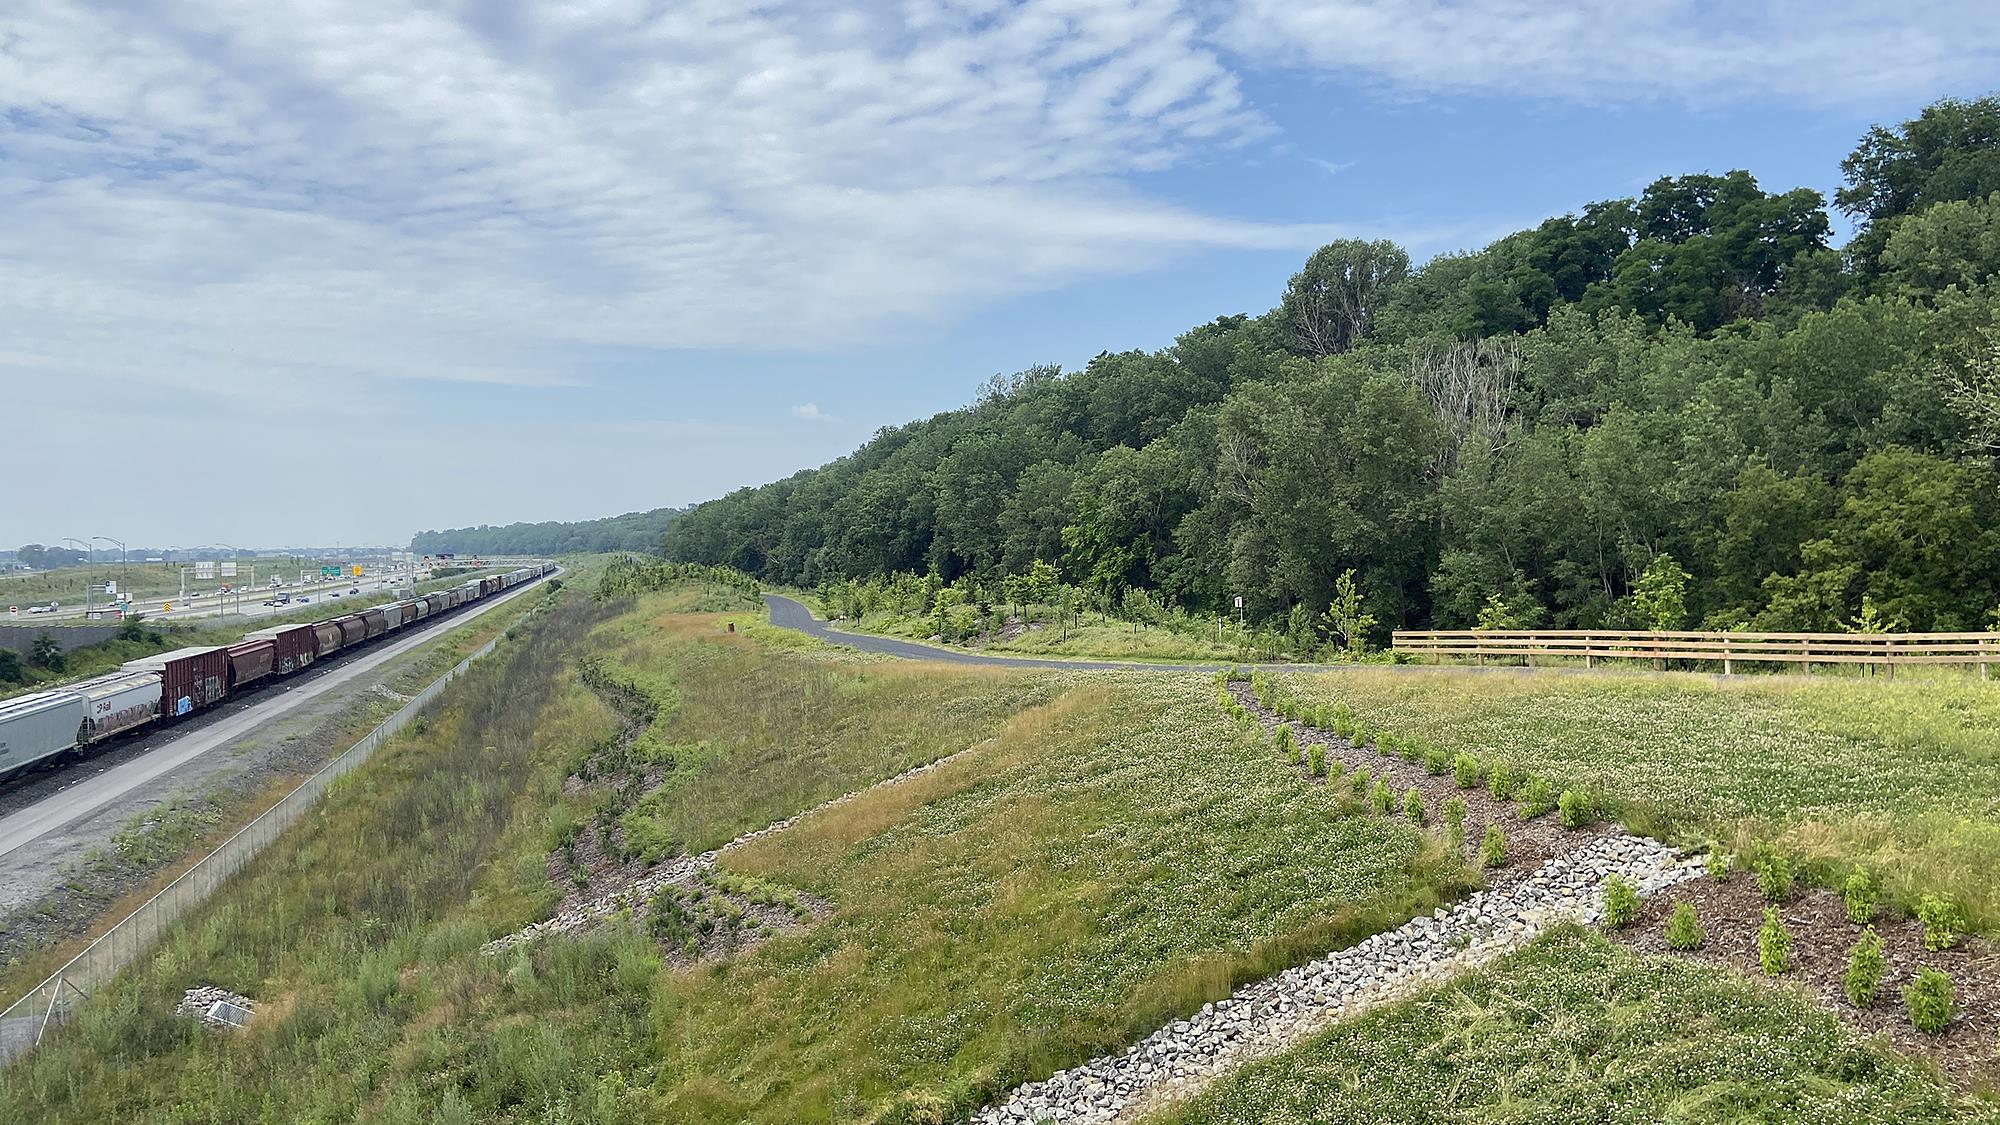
26, 825
789, 613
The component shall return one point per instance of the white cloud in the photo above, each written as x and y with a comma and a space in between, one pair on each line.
1699, 51
810, 412
232, 199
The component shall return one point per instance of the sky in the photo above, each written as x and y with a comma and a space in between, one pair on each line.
279, 273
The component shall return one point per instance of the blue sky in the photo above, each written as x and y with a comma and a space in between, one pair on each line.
335, 272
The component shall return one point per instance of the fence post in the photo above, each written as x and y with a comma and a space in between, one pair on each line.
1728, 666
1889, 658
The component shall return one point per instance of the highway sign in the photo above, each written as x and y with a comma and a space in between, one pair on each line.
229, 570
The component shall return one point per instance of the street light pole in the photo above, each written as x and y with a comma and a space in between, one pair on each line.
86, 581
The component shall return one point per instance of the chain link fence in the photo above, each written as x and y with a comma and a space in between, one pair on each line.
25, 1021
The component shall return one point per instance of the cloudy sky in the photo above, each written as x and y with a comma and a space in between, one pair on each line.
281, 273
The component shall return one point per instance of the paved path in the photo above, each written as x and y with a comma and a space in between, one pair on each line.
789, 613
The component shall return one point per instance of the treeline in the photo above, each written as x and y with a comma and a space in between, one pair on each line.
1692, 385
634, 575
633, 531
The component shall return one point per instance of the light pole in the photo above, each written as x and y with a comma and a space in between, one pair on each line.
86, 581
124, 573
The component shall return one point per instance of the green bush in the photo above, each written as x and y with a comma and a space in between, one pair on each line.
1316, 760
1385, 799
1465, 770
1720, 864
1493, 849
1454, 819
1575, 808
1684, 930
1865, 967
1930, 999
1414, 751
1859, 893
1621, 902
1774, 943
1943, 921
1501, 781
1413, 806
1537, 797
1363, 735
1360, 781
1774, 876
1334, 766
1288, 744
1436, 762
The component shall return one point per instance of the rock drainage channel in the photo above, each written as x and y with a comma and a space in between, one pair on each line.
681, 872
1181, 1058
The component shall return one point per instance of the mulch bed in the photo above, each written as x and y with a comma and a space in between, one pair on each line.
1530, 843
1731, 912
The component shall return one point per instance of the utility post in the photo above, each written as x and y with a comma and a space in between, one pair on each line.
86, 563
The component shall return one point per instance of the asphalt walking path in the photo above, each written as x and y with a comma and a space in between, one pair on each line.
790, 613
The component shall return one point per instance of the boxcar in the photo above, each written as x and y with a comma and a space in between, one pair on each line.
293, 646
33, 727
119, 702
190, 678
251, 660
353, 630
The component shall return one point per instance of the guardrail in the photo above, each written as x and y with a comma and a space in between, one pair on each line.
1727, 649
25, 1021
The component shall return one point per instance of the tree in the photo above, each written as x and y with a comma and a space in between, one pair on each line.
1975, 393
1345, 618
47, 652
1949, 151
1331, 303
11, 671
1956, 242
1660, 595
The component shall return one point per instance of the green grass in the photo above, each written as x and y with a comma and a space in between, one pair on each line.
1574, 1029
1903, 777
1114, 853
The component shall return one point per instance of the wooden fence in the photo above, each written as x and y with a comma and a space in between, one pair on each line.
1727, 649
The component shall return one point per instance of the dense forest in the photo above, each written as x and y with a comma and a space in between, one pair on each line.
1687, 408
633, 531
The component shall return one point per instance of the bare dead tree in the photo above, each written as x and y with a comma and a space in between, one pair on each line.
1975, 393
1469, 384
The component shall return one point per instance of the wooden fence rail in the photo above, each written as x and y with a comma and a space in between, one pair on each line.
1806, 649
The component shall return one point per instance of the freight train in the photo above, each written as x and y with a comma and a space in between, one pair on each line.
166, 687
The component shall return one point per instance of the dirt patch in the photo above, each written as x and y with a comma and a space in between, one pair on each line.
1732, 912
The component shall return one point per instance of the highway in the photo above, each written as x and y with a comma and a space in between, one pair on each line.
176, 747
250, 603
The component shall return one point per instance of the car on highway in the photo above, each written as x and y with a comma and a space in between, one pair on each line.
354, 590
49, 608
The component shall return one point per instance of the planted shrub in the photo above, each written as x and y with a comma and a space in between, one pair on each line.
1413, 806
1575, 808
1386, 744
1465, 770
1360, 781
1454, 819
1859, 893
1930, 999
1943, 921
1435, 762
1621, 902
1501, 781
1288, 744
1334, 767
1720, 865
1774, 876
1774, 943
1865, 967
1493, 849
1537, 797
1684, 930
1316, 760
1385, 798
1363, 735
1414, 751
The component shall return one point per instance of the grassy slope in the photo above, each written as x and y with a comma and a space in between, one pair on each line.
1574, 1029
1099, 637
1116, 855
1904, 776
